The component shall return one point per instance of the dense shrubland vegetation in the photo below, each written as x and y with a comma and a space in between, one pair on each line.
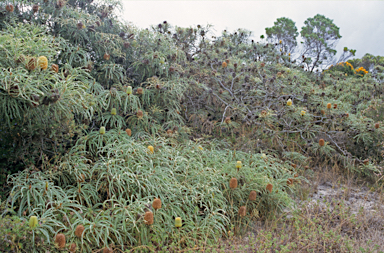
100, 118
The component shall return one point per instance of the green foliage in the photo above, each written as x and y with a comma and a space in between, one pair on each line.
320, 36
284, 33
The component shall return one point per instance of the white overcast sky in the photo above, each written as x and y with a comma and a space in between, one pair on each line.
361, 23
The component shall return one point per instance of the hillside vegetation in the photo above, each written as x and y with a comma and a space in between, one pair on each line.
118, 139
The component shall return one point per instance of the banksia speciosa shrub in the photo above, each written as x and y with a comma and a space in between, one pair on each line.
128, 131
102, 130
233, 183
129, 90
242, 211
289, 102
140, 91
238, 165
329, 106
156, 204
269, 188
79, 230
150, 149
148, 218
42, 62
139, 114
321, 142
252, 195
113, 112
55, 68
33, 222
106, 56
60, 240
224, 64
178, 222
377, 125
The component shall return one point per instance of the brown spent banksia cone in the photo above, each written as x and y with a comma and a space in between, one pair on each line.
55, 68
107, 250
224, 64
79, 230
321, 142
60, 240
72, 249
156, 204
252, 195
148, 218
269, 188
242, 211
9, 8
227, 120
233, 183
377, 125
139, 114
128, 131
140, 91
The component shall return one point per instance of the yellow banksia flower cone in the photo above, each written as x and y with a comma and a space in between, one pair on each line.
42, 62
102, 130
113, 112
224, 64
238, 165
33, 222
178, 222
289, 102
129, 90
151, 149
329, 106
233, 183
302, 113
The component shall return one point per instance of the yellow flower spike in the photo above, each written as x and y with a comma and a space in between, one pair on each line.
151, 149
42, 62
33, 222
280, 41
113, 112
238, 165
289, 102
102, 130
178, 222
201, 148
129, 90
302, 113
